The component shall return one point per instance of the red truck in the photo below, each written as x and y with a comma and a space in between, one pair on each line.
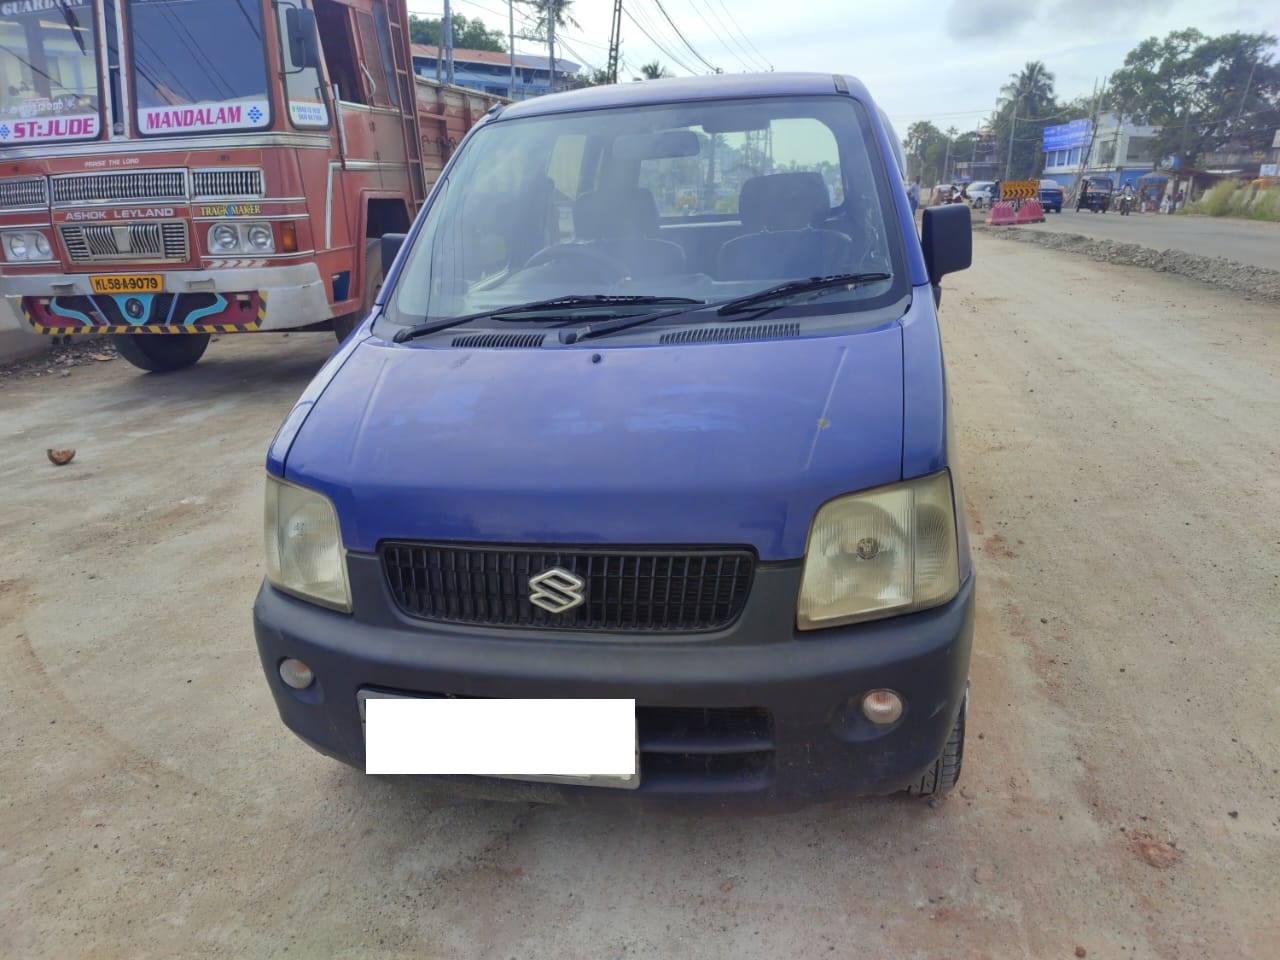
171, 169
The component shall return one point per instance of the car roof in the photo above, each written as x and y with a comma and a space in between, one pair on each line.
677, 89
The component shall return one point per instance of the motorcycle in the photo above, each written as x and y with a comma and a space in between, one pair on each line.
1126, 204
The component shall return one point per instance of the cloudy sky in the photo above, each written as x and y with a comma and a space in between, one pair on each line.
941, 61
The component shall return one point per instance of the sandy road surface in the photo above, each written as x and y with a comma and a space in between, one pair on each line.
1120, 786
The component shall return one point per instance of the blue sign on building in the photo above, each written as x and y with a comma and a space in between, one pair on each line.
1068, 135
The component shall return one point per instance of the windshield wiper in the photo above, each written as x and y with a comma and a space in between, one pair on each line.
793, 287
725, 307
570, 302
73, 24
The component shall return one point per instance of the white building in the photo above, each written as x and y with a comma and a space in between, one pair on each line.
1119, 149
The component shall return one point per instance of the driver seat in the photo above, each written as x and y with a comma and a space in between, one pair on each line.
623, 224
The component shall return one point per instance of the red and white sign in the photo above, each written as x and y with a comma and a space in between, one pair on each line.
230, 115
81, 126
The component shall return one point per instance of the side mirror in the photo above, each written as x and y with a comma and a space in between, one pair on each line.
946, 237
304, 43
391, 244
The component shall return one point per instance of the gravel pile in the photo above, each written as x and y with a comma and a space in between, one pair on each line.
61, 360
1237, 277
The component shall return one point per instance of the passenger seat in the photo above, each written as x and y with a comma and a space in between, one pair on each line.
786, 212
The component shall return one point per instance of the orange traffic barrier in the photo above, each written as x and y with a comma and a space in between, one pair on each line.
1030, 211
1002, 214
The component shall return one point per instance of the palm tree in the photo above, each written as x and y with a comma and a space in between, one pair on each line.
652, 71
552, 15
1028, 95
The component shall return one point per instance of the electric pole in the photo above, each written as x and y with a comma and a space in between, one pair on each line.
553, 11
446, 35
511, 43
615, 43
1013, 126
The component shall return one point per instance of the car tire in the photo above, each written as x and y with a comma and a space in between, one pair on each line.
161, 352
372, 279
943, 775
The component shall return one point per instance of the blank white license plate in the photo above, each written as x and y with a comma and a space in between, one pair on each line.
591, 742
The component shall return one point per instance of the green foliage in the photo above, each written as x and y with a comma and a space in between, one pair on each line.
1028, 96
467, 34
1203, 92
652, 71
1227, 198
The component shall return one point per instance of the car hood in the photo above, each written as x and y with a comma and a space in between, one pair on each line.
723, 443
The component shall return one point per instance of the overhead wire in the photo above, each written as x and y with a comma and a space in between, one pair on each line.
721, 32
667, 53
709, 65
743, 33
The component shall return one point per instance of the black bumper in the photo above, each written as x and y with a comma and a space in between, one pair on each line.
756, 714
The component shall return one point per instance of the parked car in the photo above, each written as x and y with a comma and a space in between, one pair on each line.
697, 463
1051, 196
946, 193
980, 193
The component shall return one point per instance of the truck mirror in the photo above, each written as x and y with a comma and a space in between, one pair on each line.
946, 238
391, 244
304, 45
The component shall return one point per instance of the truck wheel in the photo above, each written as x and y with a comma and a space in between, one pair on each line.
944, 773
342, 326
161, 352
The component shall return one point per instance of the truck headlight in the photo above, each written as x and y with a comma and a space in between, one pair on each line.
304, 545
880, 553
252, 237
25, 246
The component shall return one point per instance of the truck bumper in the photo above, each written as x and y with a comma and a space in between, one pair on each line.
721, 723
193, 301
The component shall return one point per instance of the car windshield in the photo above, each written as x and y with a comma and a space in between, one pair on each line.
198, 66
706, 201
48, 72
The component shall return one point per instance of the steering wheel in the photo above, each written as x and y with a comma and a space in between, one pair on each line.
580, 254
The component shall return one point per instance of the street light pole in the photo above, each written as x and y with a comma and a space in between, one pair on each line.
1013, 126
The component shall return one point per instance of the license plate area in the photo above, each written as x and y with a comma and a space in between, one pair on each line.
127, 283
620, 782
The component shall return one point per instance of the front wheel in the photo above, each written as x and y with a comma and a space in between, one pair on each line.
945, 772
161, 352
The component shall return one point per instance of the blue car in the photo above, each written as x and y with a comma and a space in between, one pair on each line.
1051, 196
652, 407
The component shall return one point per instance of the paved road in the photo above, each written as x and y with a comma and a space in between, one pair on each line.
1256, 243
1121, 466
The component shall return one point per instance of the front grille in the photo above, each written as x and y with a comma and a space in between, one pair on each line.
503, 340
637, 590
226, 184
26, 192
137, 185
768, 331
149, 240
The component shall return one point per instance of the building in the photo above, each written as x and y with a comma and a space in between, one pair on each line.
1118, 149
983, 162
490, 72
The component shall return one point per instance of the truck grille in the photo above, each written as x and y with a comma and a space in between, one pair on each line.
152, 240
26, 192
207, 184
637, 590
138, 185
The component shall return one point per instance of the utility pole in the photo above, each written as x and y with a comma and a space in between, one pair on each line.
1013, 126
446, 34
511, 44
615, 43
553, 10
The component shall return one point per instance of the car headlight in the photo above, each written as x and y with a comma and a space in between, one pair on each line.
25, 246
304, 545
880, 553
238, 237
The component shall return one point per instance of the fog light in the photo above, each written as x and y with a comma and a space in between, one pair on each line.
881, 707
296, 674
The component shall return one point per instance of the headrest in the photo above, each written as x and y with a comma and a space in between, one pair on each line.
617, 213
784, 201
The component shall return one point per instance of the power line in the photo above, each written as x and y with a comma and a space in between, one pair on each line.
710, 66
722, 32
651, 30
667, 53
744, 35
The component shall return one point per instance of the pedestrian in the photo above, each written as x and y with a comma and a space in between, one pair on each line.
1165, 203
913, 194
1177, 201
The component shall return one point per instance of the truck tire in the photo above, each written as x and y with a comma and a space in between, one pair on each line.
372, 274
161, 352
945, 772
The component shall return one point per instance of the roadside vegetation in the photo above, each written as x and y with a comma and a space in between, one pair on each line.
1231, 199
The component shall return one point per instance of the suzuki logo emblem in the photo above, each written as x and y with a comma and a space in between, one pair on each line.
557, 590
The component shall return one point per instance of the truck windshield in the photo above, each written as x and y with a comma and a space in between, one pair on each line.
706, 200
199, 66
48, 72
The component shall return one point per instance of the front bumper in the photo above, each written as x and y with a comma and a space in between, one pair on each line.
283, 296
736, 718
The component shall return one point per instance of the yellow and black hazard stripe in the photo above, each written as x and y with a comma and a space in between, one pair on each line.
262, 306
58, 330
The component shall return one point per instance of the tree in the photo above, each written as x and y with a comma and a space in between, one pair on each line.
1026, 105
652, 71
467, 34
1202, 92
547, 10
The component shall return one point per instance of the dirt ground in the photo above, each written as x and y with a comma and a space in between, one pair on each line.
1119, 799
